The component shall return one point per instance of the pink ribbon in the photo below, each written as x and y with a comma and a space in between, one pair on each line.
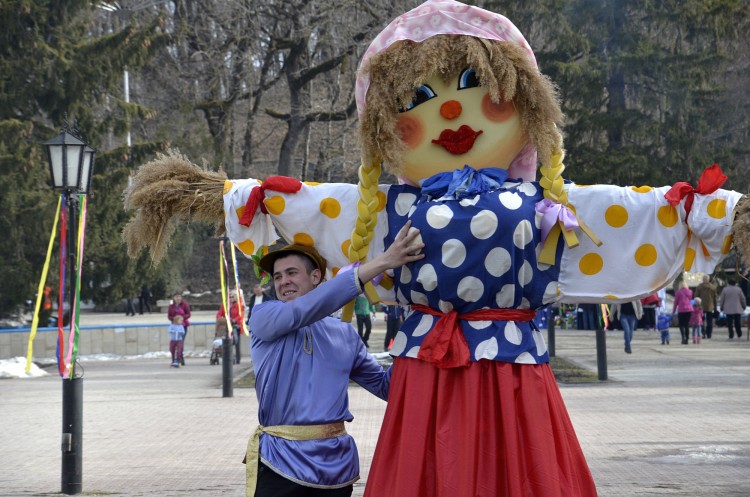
552, 212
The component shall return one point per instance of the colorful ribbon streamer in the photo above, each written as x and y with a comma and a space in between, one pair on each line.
40, 289
605, 315
60, 351
224, 292
75, 313
240, 300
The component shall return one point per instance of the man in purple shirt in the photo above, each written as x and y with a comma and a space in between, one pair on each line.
303, 362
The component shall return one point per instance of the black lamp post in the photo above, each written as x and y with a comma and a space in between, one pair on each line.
227, 373
71, 162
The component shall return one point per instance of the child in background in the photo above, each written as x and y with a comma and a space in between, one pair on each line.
662, 324
176, 335
696, 320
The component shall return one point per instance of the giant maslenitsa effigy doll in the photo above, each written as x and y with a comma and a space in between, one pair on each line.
451, 102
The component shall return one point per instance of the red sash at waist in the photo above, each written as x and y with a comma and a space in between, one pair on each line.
445, 346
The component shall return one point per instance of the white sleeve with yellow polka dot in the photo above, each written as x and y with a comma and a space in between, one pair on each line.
322, 215
646, 241
260, 232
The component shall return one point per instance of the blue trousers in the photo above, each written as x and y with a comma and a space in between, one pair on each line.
628, 323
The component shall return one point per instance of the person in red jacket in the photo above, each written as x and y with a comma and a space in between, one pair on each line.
179, 306
235, 317
650, 305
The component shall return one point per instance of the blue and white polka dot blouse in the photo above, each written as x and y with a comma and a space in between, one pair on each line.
481, 245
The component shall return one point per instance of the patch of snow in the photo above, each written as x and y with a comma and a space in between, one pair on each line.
16, 368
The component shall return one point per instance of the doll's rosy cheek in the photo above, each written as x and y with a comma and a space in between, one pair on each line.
497, 112
411, 130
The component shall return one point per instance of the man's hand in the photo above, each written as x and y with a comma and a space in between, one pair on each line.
406, 248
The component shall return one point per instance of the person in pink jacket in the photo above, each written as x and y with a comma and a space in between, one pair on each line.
182, 308
683, 307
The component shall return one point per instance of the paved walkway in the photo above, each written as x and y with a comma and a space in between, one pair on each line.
671, 421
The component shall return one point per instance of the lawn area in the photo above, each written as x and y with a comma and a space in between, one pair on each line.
567, 372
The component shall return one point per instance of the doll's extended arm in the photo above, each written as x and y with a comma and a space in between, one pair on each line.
647, 241
319, 214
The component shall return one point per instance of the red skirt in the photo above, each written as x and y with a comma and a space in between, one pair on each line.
492, 429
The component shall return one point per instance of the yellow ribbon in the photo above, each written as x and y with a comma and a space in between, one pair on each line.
40, 289
386, 282
348, 312
287, 432
371, 293
372, 296
554, 190
240, 300
547, 255
223, 286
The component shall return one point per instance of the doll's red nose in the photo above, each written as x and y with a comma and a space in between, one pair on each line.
451, 109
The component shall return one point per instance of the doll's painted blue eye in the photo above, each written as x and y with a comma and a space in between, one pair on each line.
423, 94
468, 79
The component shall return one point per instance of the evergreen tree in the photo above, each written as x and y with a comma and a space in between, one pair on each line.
642, 84
56, 61
659, 96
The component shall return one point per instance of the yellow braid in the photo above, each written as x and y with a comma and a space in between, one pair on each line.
554, 189
552, 180
364, 228
366, 208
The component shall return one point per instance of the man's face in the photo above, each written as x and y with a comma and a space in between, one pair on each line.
177, 299
258, 290
291, 279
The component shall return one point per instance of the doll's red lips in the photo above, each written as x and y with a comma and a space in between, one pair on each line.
458, 142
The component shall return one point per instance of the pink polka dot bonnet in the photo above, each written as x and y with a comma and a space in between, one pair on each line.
448, 17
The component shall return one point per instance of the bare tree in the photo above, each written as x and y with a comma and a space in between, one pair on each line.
263, 74
314, 38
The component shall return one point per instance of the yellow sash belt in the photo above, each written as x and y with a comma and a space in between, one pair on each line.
288, 432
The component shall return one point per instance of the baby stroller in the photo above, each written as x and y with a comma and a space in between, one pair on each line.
662, 324
217, 345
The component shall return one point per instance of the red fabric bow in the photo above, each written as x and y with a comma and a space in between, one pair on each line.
710, 181
445, 346
283, 184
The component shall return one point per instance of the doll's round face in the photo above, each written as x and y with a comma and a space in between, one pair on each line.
449, 125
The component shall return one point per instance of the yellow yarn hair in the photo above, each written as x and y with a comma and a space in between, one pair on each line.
369, 174
552, 181
364, 228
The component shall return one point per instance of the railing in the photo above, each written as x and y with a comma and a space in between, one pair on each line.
120, 340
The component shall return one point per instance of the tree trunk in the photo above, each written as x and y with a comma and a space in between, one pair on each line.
615, 78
